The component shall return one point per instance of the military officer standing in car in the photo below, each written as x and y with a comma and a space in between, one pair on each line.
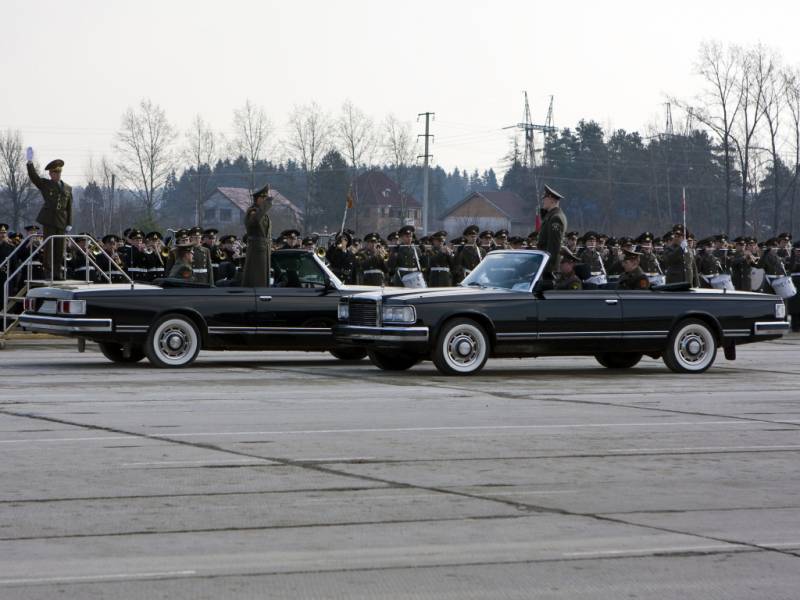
554, 225
56, 214
259, 239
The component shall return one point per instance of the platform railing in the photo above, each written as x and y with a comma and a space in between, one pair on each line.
9, 320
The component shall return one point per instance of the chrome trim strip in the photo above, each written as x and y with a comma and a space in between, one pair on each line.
771, 328
385, 334
270, 330
63, 325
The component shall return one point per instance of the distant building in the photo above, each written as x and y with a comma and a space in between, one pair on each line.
491, 210
381, 207
226, 206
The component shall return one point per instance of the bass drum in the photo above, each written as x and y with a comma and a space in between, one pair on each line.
721, 282
414, 279
783, 286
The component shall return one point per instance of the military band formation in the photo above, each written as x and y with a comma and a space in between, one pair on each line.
577, 261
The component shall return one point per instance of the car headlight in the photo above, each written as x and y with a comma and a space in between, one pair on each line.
344, 311
780, 310
399, 314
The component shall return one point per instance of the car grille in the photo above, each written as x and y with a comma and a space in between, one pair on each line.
363, 313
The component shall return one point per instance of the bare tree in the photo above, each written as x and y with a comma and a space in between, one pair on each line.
357, 138
755, 69
792, 90
773, 102
310, 137
145, 146
400, 152
722, 100
252, 130
201, 153
16, 186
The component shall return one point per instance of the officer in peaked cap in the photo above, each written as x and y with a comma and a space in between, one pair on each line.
440, 261
259, 236
633, 277
406, 258
469, 255
371, 266
567, 279
554, 225
648, 260
56, 213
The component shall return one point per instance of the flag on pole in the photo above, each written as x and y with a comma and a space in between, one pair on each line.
350, 200
538, 222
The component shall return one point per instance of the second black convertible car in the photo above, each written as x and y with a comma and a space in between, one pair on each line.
501, 309
170, 322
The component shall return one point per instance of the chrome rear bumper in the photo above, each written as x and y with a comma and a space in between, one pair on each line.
62, 325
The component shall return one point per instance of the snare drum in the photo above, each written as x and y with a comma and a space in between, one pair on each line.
721, 282
413, 280
783, 286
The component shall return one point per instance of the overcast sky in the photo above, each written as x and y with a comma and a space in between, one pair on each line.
70, 69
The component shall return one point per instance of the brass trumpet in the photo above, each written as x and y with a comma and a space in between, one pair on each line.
319, 251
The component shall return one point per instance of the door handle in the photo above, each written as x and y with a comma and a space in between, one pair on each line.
265, 298
611, 301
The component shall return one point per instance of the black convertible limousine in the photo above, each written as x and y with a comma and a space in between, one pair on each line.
502, 309
172, 321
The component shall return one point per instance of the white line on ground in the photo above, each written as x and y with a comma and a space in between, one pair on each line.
672, 549
65, 579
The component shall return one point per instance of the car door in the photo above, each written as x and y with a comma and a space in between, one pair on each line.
229, 312
580, 319
299, 309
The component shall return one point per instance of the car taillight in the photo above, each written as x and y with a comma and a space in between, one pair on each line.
30, 304
72, 307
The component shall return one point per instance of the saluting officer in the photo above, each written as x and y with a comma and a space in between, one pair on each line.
554, 225
678, 260
370, 262
56, 214
441, 262
259, 236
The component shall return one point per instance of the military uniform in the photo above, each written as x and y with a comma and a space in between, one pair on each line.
371, 266
259, 242
551, 234
441, 263
633, 280
569, 282
679, 265
55, 216
403, 260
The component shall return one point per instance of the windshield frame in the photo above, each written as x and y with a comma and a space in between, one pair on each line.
545, 258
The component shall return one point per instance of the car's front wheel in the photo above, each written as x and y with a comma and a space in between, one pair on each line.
173, 341
691, 347
115, 353
461, 348
349, 353
392, 361
618, 360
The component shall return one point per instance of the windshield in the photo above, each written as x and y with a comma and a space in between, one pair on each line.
509, 270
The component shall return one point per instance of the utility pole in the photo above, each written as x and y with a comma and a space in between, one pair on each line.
427, 156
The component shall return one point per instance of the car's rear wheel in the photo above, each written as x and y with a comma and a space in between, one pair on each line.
392, 361
349, 353
691, 347
461, 348
618, 360
173, 341
115, 353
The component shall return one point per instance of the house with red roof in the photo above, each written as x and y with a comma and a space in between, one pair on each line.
225, 208
493, 211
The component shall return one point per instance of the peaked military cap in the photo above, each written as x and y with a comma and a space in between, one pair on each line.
590, 235
210, 231
487, 233
501, 233
264, 191
439, 235
308, 241
572, 234
471, 230
290, 232
406, 230
784, 236
678, 229
108, 238
630, 254
372, 237
551, 193
4, 227
392, 236
55, 165
645, 237
611, 241
195, 231
227, 238
31, 228
154, 235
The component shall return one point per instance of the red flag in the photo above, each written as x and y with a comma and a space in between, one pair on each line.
350, 201
538, 222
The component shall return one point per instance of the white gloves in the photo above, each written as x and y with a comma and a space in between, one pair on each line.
29, 154
684, 245
69, 228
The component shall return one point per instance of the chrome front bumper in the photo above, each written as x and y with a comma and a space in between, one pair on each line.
62, 325
771, 328
381, 334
